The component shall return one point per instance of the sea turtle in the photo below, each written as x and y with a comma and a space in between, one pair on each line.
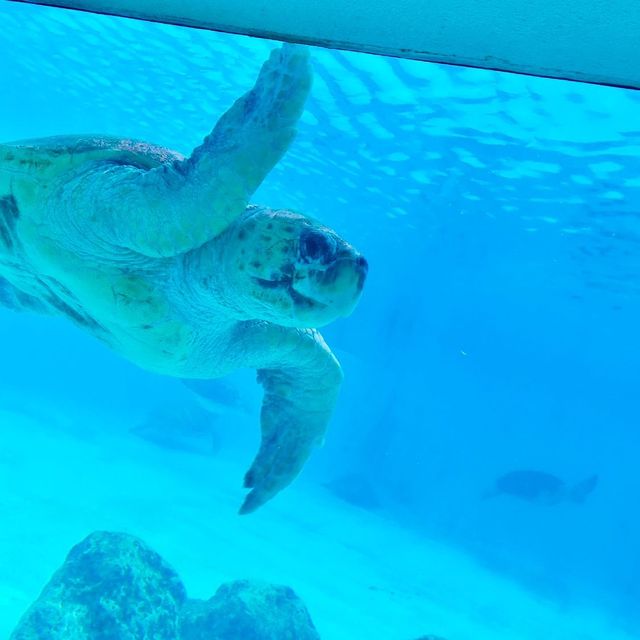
161, 257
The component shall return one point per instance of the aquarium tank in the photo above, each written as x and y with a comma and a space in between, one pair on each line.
300, 343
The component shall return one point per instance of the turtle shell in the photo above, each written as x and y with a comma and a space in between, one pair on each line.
27, 168
27, 165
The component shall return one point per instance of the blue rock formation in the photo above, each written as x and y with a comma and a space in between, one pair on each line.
248, 610
112, 586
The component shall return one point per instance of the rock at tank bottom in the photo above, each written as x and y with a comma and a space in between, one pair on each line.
112, 586
247, 610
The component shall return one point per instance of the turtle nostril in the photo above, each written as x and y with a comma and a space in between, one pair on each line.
315, 246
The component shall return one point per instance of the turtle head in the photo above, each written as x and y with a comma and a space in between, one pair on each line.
288, 269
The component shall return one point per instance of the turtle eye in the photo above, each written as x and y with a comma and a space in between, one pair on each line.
316, 246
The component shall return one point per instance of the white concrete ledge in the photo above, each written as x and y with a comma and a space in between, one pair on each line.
589, 40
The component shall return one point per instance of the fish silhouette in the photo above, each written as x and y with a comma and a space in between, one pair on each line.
181, 426
217, 396
541, 487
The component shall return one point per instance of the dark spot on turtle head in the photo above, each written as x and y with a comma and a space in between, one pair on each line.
270, 225
240, 267
265, 238
256, 264
242, 234
316, 246
300, 301
146, 326
288, 228
268, 284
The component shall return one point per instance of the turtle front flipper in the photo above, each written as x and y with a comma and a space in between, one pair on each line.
301, 380
156, 203
249, 139
180, 205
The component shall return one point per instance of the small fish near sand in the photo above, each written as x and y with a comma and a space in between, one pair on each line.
541, 488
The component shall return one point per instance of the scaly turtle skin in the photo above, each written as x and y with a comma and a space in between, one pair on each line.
162, 258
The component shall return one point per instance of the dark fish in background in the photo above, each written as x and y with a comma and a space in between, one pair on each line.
541, 487
356, 489
218, 396
189, 421
180, 426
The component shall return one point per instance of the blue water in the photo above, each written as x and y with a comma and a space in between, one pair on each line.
498, 330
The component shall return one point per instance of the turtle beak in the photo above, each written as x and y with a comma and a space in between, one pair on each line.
344, 279
362, 267
338, 285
